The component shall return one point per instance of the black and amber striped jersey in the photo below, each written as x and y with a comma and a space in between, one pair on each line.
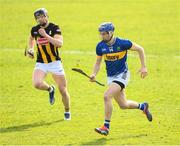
46, 52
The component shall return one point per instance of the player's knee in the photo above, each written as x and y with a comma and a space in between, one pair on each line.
106, 97
63, 92
37, 85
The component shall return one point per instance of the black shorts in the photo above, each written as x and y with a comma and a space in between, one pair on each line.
120, 84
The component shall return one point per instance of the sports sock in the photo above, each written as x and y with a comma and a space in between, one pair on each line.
107, 123
141, 106
50, 89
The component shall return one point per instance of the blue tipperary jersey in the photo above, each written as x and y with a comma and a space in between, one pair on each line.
115, 55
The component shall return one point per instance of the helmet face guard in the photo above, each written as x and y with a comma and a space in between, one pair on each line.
110, 37
107, 27
40, 12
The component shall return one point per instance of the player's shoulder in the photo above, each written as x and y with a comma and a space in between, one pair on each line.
100, 44
124, 43
35, 27
55, 28
121, 40
53, 25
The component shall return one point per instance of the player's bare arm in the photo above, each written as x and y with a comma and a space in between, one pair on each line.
57, 40
115, 49
96, 68
48, 39
140, 50
30, 51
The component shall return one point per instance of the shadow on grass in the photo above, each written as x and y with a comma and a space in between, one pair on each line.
99, 141
27, 126
135, 136
102, 141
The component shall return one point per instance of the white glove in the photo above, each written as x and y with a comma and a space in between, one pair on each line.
30, 53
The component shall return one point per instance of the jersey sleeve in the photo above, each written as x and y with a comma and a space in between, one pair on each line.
127, 44
32, 32
98, 50
56, 30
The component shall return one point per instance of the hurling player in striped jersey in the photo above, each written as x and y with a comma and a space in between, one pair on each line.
48, 39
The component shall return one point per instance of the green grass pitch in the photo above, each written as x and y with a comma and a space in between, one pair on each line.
25, 114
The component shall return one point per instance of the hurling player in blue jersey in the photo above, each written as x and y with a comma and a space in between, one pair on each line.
114, 51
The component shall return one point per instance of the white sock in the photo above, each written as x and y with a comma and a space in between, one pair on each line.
50, 89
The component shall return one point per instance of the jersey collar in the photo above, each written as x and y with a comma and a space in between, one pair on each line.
112, 42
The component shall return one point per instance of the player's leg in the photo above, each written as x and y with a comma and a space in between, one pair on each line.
112, 91
38, 80
62, 86
129, 104
39, 83
124, 103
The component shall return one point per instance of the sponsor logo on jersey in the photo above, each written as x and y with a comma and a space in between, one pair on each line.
42, 41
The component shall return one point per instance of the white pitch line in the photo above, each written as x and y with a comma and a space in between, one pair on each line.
79, 52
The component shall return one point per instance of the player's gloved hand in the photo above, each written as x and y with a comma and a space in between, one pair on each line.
92, 78
143, 72
30, 53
